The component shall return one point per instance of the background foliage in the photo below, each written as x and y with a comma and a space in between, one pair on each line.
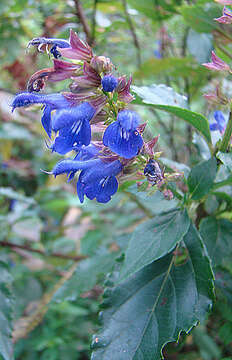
58, 256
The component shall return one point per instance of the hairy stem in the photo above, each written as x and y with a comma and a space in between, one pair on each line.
83, 21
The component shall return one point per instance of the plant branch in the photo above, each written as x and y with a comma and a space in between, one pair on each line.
41, 252
133, 33
26, 324
94, 21
83, 21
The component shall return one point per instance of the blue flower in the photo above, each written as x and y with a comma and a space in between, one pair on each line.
96, 180
50, 102
122, 136
51, 43
220, 123
73, 126
109, 83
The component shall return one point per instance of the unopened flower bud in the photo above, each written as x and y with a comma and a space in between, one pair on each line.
109, 83
101, 64
217, 64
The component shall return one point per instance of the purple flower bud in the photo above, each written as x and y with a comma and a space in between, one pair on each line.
109, 83
226, 18
217, 64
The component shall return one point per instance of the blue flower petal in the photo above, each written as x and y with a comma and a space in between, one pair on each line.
55, 101
106, 189
66, 166
46, 120
213, 126
129, 120
127, 147
68, 117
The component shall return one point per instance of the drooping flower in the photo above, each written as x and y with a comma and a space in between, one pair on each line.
122, 136
60, 71
217, 64
109, 83
220, 123
226, 18
96, 180
73, 126
50, 102
50, 45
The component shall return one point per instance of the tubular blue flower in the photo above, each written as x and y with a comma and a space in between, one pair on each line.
50, 102
73, 126
109, 83
122, 136
220, 123
50, 44
96, 180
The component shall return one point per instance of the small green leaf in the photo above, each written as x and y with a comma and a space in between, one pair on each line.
154, 239
153, 306
217, 236
201, 178
6, 309
150, 95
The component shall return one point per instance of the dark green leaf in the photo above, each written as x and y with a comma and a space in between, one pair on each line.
154, 239
85, 276
201, 178
217, 236
150, 95
152, 307
6, 308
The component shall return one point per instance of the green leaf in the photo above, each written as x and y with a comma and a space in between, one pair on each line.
175, 68
150, 95
217, 236
226, 159
201, 18
201, 178
154, 239
200, 46
152, 307
6, 309
85, 277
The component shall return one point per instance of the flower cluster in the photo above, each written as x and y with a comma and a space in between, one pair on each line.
96, 107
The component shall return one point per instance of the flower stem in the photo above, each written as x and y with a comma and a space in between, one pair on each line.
227, 135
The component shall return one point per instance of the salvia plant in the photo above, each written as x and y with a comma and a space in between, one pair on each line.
162, 284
